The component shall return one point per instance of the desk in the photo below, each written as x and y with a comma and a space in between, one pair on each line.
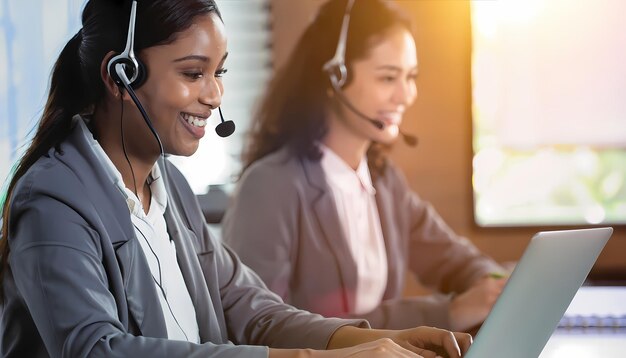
587, 343
591, 342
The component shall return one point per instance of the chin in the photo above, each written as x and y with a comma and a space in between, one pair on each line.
386, 137
387, 141
185, 151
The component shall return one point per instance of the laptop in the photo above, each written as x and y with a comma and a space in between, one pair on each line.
553, 267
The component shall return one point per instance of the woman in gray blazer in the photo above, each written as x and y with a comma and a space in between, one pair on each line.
105, 251
320, 214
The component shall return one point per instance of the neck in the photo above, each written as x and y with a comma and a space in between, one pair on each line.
108, 133
347, 144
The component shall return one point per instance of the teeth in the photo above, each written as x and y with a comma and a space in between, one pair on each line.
194, 121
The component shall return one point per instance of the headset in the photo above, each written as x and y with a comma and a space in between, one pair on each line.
128, 72
338, 74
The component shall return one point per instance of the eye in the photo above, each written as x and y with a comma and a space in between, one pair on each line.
193, 75
388, 79
221, 72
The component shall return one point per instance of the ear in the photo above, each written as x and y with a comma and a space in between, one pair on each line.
111, 88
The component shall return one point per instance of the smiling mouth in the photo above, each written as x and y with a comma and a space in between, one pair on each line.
391, 118
194, 120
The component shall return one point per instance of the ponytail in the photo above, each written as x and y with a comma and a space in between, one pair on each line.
67, 97
67, 93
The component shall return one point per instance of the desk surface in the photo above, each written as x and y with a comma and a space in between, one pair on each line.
590, 301
588, 343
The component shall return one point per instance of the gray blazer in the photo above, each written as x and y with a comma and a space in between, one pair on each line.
79, 285
283, 223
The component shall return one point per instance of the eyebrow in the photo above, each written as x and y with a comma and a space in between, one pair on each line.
393, 68
198, 58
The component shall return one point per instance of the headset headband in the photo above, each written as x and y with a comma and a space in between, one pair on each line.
336, 66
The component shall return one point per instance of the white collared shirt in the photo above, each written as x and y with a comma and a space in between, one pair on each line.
159, 250
355, 198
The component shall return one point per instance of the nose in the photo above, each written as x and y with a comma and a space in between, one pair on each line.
211, 92
405, 92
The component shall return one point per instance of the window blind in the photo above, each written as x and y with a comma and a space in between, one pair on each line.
248, 31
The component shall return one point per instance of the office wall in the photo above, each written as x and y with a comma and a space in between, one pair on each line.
439, 169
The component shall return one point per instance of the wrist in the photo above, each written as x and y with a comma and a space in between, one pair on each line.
294, 353
454, 314
341, 337
349, 336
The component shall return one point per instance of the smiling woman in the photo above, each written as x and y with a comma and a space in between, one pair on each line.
344, 227
184, 83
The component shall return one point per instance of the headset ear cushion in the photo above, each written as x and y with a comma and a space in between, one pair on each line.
113, 73
142, 75
129, 68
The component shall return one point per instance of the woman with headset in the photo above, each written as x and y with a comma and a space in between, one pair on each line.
326, 220
105, 251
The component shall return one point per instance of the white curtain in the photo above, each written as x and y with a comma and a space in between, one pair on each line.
32, 33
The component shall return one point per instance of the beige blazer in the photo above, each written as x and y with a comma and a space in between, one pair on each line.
283, 223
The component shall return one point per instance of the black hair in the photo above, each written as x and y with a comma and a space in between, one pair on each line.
76, 86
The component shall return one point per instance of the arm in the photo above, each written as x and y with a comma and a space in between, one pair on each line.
437, 255
448, 262
421, 340
366, 343
256, 315
451, 263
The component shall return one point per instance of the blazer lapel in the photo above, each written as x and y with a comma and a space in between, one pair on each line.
141, 296
211, 327
325, 210
395, 261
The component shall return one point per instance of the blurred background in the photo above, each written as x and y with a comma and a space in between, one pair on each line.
521, 113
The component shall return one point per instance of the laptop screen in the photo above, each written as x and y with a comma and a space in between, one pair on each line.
551, 270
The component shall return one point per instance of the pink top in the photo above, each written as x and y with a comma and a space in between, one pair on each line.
355, 198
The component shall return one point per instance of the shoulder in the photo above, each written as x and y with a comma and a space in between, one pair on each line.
52, 205
278, 170
281, 162
50, 176
278, 179
70, 173
392, 177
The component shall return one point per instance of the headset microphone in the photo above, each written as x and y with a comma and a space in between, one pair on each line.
338, 74
225, 128
409, 139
